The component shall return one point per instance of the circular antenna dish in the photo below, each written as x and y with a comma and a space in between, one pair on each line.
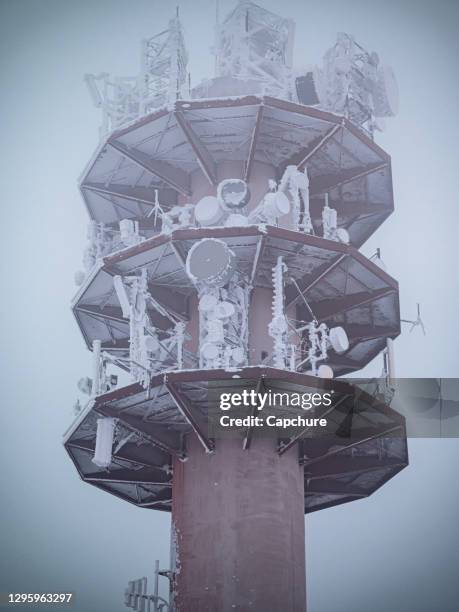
282, 203
342, 235
276, 204
208, 211
325, 371
224, 310
210, 262
338, 340
386, 98
234, 194
236, 220
207, 302
210, 351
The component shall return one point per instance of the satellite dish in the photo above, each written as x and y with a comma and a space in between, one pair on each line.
342, 235
207, 302
208, 211
224, 310
339, 340
233, 194
85, 385
210, 351
386, 98
325, 371
276, 204
79, 277
210, 262
236, 220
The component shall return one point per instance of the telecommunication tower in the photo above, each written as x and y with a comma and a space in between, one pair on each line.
223, 255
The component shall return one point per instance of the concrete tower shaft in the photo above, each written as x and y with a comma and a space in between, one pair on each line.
238, 518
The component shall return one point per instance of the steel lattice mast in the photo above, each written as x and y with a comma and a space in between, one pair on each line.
223, 255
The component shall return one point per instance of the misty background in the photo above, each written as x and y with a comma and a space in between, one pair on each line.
396, 551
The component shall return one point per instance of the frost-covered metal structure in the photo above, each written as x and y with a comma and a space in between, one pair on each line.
223, 255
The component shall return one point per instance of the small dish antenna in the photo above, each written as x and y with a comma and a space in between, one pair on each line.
233, 194
208, 211
338, 339
325, 371
276, 204
207, 302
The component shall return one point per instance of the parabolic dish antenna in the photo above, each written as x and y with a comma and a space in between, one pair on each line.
276, 204
210, 351
224, 310
325, 371
207, 302
210, 262
208, 211
236, 220
234, 194
338, 340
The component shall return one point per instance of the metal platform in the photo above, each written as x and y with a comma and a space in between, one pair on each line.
364, 446
342, 286
163, 149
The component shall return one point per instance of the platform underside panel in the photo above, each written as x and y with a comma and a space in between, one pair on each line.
353, 473
363, 445
341, 286
163, 150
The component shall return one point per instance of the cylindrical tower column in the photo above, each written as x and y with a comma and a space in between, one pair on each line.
237, 519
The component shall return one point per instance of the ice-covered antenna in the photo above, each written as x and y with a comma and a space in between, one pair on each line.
90, 80
351, 82
156, 208
255, 45
418, 322
278, 327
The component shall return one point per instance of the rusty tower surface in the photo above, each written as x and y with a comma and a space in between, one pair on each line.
225, 223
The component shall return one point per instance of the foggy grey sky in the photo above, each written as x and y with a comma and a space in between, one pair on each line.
397, 550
